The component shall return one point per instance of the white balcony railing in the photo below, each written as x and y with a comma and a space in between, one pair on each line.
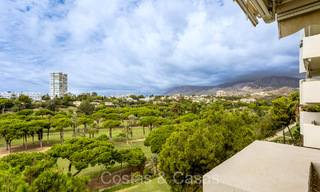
311, 55
311, 135
310, 91
308, 118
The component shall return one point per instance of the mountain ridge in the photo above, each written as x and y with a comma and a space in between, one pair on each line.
240, 87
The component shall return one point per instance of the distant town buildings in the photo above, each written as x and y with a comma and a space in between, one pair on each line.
258, 94
76, 103
108, 104
248, 100
58, 84
147, 99
220, 93
9, 94
176, 97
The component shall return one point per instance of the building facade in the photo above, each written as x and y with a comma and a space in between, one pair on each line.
310, 86
267, 166
58, 84
9, 95
220, 93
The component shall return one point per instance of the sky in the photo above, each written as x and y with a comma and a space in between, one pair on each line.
136, 46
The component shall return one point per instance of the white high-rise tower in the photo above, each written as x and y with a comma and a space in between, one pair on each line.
58, 84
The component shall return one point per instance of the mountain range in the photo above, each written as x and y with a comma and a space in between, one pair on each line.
266, 84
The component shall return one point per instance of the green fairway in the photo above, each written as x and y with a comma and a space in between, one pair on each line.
54, 137
119, 143
154, 186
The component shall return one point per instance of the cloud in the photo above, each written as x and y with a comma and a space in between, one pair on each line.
136, 46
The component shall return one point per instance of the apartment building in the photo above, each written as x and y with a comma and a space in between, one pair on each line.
58, 84
221, 93
266, 166
9, 95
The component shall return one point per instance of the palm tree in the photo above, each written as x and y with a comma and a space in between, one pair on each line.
111, 124
92, 130
74, 120
80, 132
132, 121
60, 124
154, 161
85, 120
127, 131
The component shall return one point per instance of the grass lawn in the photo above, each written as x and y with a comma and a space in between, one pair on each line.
154, 186
54, 137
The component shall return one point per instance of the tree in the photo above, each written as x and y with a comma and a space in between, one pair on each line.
154, 161
25, 101
194, 107
106, 156
252, 106
86, 108
141, 97
42, 112
134, 97
186, 118
132, 121
265, 127
82, 152
121, 157
177, 109
52, 180
109, 110
135, 157
74, 120
25, 130
192, 152
53, 104
237, 128
49, 118
112, 116
22, 160
60, 124
143, 111
66, 101
85, 120
93, 94
283, 114
59, 116
38, 126
111, 124
36, 172
157, 138
127, 130
148, 122
103, 137
93, 129
5, 103
10, 129
197, 147
46, 97
25, 112
10, 180
97, 117
295, 99
162, 121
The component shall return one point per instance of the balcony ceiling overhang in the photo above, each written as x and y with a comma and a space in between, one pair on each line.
292, 15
